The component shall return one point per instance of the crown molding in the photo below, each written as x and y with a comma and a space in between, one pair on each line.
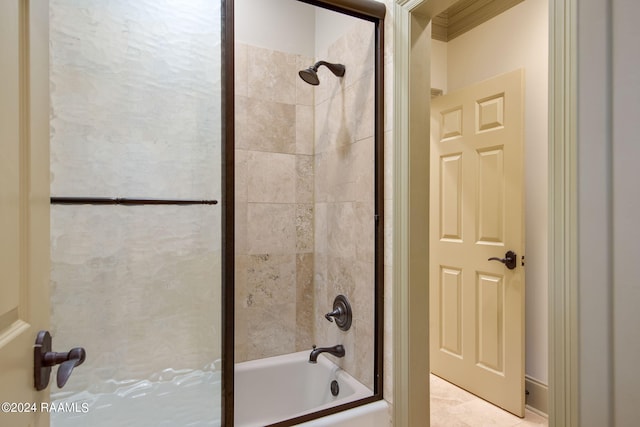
466, 15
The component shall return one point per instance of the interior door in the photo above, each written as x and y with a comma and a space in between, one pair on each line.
24, 205
477, 213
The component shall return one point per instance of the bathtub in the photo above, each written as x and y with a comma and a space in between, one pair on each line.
267, 391
282, 387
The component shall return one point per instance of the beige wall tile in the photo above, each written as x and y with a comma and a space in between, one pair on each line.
320, 226
304, 228
360, 101
304, 301
271, 177
242, 134
359, 43
271, 228
240, 231
340, 230
365, 231
271, 280
363, 171
272, 75
305, 133
364, 352
304, 179
362, 298
271, 331
240, 323
263, 125
341, 278
240, 72
241, 175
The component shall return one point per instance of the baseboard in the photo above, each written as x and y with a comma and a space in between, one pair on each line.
537, 398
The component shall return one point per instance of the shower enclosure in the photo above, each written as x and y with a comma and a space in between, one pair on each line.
136, 145
209, 205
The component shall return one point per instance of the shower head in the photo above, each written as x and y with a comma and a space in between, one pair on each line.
310, 75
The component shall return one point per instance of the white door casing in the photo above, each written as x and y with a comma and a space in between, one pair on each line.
24, 205
477, 213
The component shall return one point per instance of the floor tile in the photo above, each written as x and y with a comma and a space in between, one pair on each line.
454, 407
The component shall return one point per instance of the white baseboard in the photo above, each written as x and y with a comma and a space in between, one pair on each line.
537, 399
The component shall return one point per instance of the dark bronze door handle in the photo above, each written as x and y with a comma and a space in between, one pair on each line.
509, 259
44, 359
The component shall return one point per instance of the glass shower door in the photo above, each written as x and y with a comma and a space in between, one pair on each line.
135, 225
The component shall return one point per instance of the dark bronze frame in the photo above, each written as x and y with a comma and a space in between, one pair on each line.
364, 9
228, 213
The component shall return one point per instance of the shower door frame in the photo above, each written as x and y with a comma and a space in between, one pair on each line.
228, 213
368, 10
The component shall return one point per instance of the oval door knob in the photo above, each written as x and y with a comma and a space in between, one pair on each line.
509, 259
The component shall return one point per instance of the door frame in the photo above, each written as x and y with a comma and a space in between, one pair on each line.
412, 50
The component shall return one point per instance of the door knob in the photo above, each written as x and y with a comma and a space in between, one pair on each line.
509, 259
44, 359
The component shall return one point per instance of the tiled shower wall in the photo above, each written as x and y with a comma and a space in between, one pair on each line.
135, 112
274, 204
344, 198
304, 201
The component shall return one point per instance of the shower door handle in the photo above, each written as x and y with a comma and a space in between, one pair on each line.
44, 359
509, 259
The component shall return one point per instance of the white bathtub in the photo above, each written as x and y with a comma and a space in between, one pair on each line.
267, 391
282, 387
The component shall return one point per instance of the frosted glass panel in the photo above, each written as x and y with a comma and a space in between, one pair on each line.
139, 289
136, 113
135, 95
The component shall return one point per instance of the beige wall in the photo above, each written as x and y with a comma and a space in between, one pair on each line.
518, 38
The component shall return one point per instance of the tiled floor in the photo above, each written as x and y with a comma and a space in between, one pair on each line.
454, 407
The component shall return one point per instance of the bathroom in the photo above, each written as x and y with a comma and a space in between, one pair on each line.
142, 251
581, 251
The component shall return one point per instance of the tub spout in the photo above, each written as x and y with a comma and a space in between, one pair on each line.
336, 350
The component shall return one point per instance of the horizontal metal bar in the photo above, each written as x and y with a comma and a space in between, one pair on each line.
367, 9
125, 201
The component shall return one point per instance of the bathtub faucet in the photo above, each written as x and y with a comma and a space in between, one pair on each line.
336, 350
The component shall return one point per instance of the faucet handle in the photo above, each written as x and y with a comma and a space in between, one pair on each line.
335, 313
341, 313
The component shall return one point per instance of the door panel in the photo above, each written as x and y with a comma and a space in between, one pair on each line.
451, 309
24, 204
451, 200
477, 305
